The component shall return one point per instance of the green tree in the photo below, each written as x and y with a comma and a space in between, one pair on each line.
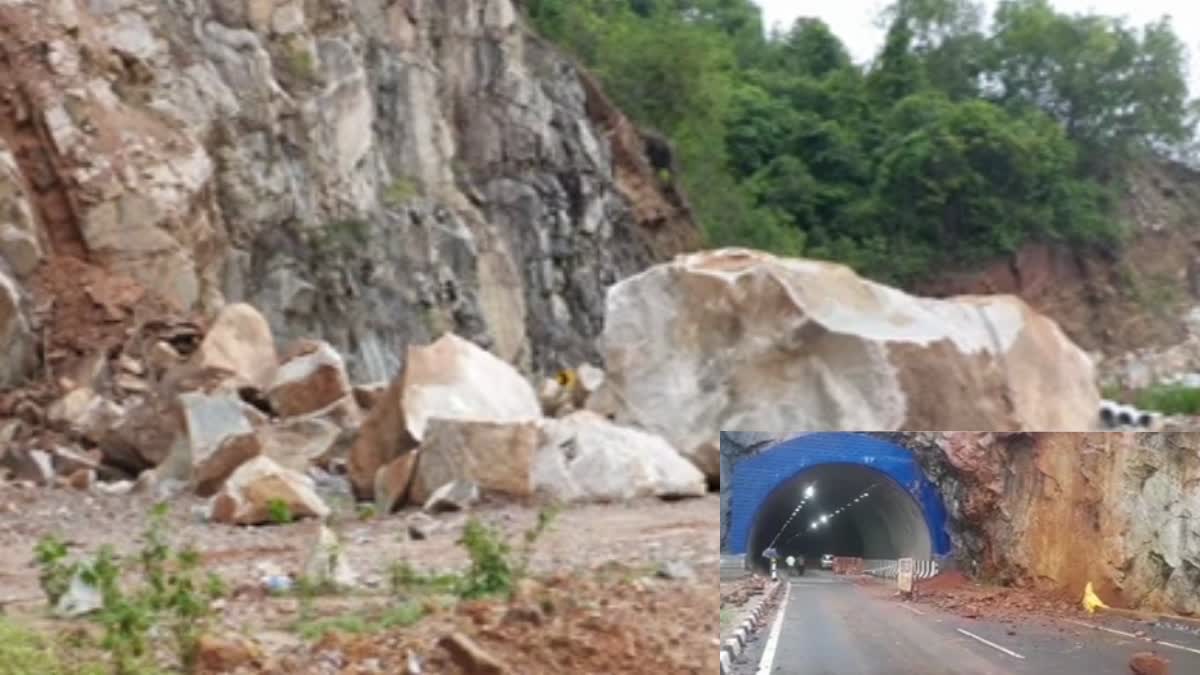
1115, 90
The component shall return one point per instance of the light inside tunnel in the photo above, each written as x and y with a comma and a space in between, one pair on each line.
856, 511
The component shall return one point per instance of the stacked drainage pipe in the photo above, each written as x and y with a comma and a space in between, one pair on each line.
1114, 415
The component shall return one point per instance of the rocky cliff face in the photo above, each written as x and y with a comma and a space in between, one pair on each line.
1121, 510
371, 172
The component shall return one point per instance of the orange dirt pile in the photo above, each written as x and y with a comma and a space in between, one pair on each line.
89, 309
570, 624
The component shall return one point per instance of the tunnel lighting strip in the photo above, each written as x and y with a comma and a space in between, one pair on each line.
825, 517
808, 494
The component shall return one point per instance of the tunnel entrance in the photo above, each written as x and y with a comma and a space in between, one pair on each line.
853, 511
843, 494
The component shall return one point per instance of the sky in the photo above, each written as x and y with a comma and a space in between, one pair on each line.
853, 20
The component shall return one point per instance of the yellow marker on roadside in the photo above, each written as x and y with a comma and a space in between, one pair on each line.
1091, 601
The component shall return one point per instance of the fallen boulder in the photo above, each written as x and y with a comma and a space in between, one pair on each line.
741, 339
251, 493
296, 444
240, 342
216, 440
495, 456
392, 481
311, 379
449, 379
584, 457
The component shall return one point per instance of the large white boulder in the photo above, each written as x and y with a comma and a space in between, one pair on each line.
496, 456
737, 339
450, 379
584, 457
241, 343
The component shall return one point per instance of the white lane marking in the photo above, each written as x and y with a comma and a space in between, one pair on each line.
768, 657
1144, 638
1103, 628
914, 610
991, 644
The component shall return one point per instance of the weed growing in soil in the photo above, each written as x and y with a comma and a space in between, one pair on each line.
279, 512
495, 568
168, 593
361, 623
55, 575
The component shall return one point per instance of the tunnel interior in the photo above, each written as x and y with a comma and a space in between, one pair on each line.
887, 523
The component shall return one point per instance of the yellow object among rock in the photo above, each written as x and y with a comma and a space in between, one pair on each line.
1091, 601
567, 379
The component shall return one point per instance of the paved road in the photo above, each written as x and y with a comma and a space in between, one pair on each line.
832, 626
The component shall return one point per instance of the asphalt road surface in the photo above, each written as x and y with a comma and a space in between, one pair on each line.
833, 626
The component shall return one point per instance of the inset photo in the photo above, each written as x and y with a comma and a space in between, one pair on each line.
929, 553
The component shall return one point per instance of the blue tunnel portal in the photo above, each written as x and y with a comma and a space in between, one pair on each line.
838, 493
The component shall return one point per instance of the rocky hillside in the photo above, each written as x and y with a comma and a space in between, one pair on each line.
1133, 297
1129, 501
372, 173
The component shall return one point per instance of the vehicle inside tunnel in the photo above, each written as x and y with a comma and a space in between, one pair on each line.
843, 510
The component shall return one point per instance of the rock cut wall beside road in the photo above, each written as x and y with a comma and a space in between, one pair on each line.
1129, 502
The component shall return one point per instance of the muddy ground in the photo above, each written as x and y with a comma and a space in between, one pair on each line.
630, 588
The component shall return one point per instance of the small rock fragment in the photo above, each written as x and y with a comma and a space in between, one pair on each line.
470, 656
456, 495
223, 654
327, 562
82, 479
676, 570
1148, 663
81, 598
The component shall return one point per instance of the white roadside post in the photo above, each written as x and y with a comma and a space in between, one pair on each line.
904, 576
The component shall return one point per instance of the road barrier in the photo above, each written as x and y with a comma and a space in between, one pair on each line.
733, 646
846, 565
890, 569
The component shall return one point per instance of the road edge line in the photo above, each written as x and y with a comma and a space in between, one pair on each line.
991, 644
768, 657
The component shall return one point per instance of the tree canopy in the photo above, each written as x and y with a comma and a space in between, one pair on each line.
955, 143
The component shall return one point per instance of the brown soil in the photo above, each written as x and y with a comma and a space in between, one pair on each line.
954, 592
735, 593
598, 606
24, 131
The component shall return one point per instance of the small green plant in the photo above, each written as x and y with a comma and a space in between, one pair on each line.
401, 191
491, 571
494, 569
279, 512
405, 580
545, 519
23, 652
170, 595
365, 511
55, 573
361, 623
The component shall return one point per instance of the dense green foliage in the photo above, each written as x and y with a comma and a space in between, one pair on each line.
954, 144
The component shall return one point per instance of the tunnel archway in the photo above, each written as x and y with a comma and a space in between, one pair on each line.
901, 514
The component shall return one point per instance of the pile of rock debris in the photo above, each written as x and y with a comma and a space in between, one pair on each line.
220, 412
